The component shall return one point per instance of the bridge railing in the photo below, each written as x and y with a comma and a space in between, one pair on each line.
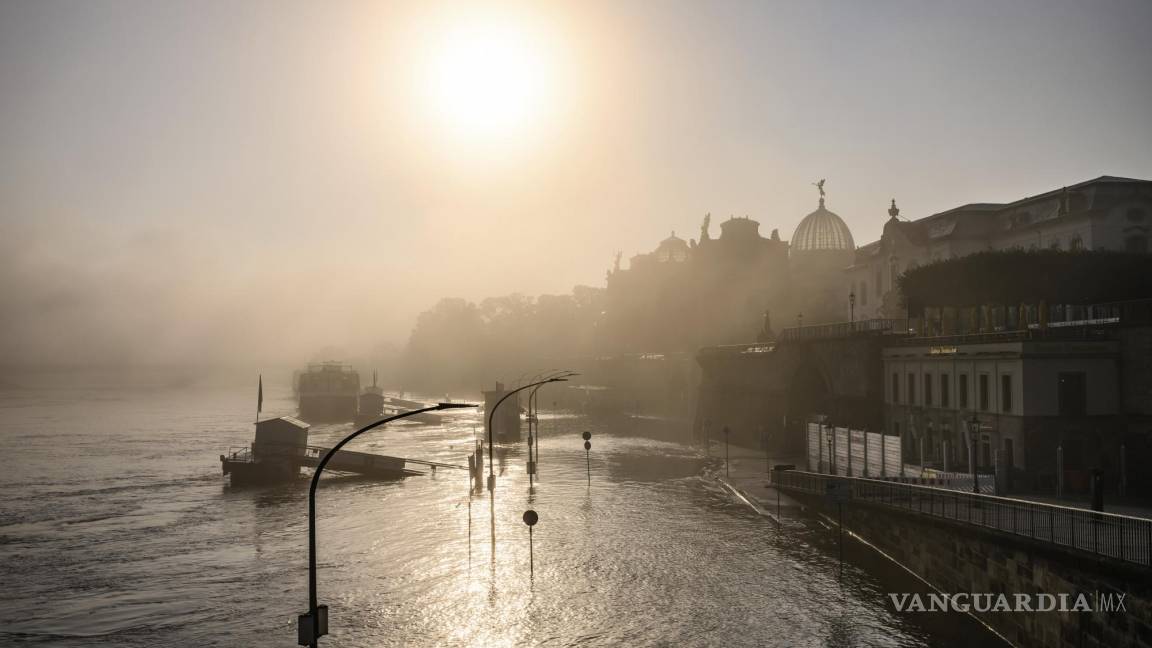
1103, 534
839, 329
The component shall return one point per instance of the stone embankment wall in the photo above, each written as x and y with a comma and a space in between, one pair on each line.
955, 558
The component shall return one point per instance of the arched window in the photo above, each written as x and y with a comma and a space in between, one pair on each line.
1137, 244
863, 293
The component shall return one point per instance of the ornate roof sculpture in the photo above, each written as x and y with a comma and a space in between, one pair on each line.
822, 230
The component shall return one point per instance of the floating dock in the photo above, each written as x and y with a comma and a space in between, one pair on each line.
281, 449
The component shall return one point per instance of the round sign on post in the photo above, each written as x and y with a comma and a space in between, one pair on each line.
588, 457
530, 518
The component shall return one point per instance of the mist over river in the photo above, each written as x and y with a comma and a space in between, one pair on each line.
117, 529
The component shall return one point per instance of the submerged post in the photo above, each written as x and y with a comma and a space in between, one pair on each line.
726, 432
531, 518
588, 457
840, 512
491, 467
767, 461
534, 426
491, 463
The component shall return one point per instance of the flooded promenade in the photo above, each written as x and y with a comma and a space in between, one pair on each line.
124, 533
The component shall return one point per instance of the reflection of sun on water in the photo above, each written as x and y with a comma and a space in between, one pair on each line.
489, 78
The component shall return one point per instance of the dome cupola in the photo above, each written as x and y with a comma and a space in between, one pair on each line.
822, 230
672, 249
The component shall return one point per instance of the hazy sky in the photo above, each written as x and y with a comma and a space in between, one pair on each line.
247, 181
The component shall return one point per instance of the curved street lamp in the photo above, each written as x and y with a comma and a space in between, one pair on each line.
491, 461
534, 378
314, 624
491, 467
534, 421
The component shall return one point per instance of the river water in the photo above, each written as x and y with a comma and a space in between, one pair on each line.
117, 529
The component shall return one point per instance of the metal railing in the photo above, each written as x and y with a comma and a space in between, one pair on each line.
1059, 331
840, 329
240, 453
1103, 534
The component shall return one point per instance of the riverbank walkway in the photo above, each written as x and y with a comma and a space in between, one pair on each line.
1123, 532
749, 473
747, 478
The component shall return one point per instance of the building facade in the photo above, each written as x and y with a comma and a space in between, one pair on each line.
1107, 213
1012, 403
685, 294
690, 293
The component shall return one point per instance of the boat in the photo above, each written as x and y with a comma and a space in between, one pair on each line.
328, 392
281, 449
370, 404
273, 457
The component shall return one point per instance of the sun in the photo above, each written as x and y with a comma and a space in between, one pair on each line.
490, 78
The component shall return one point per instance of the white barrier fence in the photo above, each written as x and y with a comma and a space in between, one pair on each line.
857, 453
852, 453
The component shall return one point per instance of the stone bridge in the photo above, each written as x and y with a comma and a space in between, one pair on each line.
772, 389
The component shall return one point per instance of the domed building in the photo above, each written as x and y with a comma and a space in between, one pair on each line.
822, 248
672, 249
822, 230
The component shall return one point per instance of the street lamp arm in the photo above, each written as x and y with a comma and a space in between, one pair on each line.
312, 603
563, 374
328, 456
491, 470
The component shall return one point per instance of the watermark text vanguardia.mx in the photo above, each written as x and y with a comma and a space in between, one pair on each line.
988, 602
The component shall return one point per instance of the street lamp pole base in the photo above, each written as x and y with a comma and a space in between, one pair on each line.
311, 626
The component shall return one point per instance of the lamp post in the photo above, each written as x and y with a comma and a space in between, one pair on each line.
587, 436
726, 432
973, 430
491, 469
314, 624
852, 306
767, 461
707, 440
534, 422
530, 518
531, 422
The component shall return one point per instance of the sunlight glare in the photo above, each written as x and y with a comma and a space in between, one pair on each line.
490, 78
